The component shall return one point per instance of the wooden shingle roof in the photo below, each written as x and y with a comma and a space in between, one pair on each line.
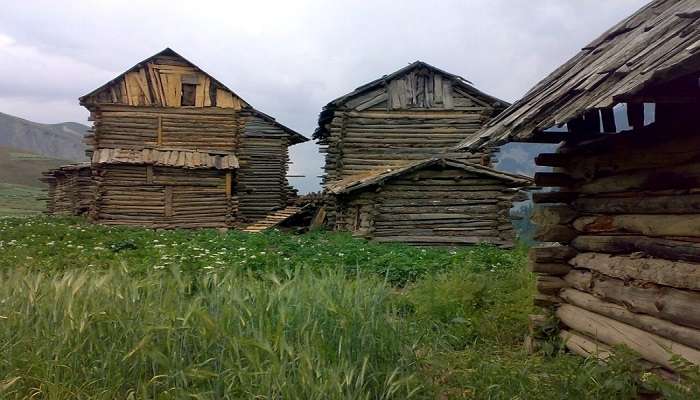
379, 176
657, 44
165, 157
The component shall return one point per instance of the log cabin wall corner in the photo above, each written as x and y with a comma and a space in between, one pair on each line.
619, 262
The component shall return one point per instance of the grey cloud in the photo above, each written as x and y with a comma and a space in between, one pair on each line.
290, 58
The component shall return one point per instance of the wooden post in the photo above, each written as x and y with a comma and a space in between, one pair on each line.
160, 131
168, 201
229, 184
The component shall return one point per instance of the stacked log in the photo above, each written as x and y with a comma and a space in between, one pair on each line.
414, 114
125, 127
438, 205
365, 140
264, 158
622, 261
70, 189
162, 197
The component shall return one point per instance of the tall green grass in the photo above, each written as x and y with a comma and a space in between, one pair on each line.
91, 312
91, 335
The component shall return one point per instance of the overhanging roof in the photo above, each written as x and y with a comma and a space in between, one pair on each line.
657, 44
167, 157
379, 176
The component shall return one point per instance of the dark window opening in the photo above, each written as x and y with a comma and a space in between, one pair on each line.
189, 93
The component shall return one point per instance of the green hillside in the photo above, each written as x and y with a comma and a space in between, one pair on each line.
20, 188
18, 200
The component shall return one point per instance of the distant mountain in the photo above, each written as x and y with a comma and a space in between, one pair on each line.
21, 191
60, 141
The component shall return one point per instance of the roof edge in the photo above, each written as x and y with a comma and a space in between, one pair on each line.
366, 180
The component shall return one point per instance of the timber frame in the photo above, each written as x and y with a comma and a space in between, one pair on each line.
431, 202
619, 262
409, 117
171, 146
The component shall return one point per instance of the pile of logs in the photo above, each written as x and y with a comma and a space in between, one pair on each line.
625, 268
70, 189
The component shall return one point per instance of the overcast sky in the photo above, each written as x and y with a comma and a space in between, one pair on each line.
287, 58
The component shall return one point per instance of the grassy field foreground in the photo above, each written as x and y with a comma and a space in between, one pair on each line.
89, 312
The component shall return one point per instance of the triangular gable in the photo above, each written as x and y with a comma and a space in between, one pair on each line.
416, 86
457, 82
158, 80
379, 176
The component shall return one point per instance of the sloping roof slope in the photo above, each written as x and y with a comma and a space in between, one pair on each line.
659, 43
465, 84
165, 52
379, 176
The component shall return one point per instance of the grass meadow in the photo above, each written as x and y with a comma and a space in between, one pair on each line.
92, 312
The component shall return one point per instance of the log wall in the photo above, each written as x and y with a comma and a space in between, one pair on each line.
164, 197
70, 191
432, 207
260, 145
138, 127
413, 116
622, 262
264, 158
367, 140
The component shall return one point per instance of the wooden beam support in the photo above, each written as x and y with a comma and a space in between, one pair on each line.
551, 160
553, 179
554, 197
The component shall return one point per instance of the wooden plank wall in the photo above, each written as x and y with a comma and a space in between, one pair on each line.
433, 207
626, 219
419, 115
158, 82
134, 128
263, 158
166, 198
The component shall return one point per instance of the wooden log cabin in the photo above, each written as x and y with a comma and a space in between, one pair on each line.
431, 202
69, 189
620, 258
412, 114
401, 120
173, 147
